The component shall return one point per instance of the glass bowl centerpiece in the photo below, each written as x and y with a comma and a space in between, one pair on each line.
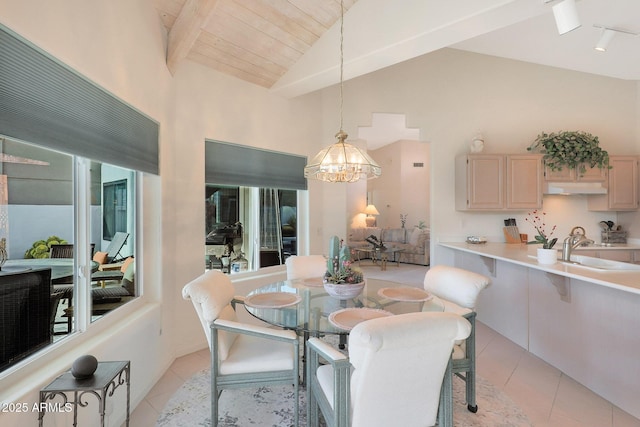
342, 280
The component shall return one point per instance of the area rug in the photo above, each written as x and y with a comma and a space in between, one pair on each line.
273, 406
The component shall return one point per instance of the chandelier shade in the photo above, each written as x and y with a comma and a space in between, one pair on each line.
342, 162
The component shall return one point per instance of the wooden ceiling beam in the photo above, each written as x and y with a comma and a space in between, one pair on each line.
186, 29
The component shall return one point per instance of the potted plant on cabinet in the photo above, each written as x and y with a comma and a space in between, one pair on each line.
573, 149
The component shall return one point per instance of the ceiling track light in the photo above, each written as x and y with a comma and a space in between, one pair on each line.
565, 13
607, 35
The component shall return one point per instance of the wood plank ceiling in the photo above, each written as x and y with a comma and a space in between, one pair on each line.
253, 40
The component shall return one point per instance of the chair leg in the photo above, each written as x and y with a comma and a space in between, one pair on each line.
214, 380
445, 410
470, 383
470, 375
312, 403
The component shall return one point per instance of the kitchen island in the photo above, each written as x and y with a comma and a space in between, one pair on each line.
583, 321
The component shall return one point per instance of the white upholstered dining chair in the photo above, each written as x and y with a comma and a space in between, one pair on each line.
459, 289
242, 355
305, 266
396, 374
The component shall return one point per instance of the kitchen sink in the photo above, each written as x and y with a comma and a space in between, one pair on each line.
601, 264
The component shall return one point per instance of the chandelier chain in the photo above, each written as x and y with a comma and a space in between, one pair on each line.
341, 59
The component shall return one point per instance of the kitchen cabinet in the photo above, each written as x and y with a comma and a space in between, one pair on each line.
496, 182
622, 193
565, 174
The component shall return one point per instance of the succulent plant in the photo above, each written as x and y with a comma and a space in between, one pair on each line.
340, 267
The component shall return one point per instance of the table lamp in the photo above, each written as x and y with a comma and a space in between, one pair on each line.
371, 211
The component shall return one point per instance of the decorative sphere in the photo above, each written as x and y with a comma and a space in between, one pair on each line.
84, 366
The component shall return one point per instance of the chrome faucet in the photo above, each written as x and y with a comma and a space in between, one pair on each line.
572, 242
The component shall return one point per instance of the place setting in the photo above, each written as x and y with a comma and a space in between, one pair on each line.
272, 300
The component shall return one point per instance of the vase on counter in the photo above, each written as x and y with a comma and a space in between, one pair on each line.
547, 256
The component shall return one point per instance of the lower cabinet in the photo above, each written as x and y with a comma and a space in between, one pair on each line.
586, 330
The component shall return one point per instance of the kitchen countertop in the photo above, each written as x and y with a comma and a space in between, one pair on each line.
524, 255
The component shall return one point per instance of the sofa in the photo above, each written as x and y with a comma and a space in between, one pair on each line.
415, 242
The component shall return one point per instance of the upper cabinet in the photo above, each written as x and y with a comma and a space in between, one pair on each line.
572, 175
622, 194
494, 182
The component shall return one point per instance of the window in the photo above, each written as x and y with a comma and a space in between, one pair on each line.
259, 223
251, 204
114, 208
57, 198
42, 199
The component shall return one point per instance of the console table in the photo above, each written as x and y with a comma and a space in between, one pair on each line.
106, 379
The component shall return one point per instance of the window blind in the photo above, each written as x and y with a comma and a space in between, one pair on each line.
239, 165
44, 102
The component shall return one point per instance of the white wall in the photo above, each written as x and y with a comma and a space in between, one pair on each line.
451, 95
402, 188
119, 45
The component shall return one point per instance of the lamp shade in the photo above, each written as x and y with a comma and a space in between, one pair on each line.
371, 210
342, 162
565, 13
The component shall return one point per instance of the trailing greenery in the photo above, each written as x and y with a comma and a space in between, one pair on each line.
574, 149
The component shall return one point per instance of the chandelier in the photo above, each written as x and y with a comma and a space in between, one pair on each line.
342, 162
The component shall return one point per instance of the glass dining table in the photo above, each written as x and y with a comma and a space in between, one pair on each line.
304, 306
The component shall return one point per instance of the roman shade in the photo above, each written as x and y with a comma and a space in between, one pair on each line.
239, 165
44, 102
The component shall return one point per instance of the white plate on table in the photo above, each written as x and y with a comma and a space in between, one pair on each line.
314, 282
272, 300
349, 317
405, 294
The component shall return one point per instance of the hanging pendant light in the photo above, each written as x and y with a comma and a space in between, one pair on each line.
342, 162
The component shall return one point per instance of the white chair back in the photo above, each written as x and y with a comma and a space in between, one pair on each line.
305, 266
399, 364
455, 284
211, 295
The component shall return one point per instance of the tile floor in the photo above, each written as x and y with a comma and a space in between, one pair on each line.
549, 398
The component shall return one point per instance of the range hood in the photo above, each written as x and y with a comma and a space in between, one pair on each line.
570, 188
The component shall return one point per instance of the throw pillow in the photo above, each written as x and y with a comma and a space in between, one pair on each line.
125, 264
415, 236
100, 257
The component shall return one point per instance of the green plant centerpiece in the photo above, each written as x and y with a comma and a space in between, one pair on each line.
573, 149
342, 279
41, 248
